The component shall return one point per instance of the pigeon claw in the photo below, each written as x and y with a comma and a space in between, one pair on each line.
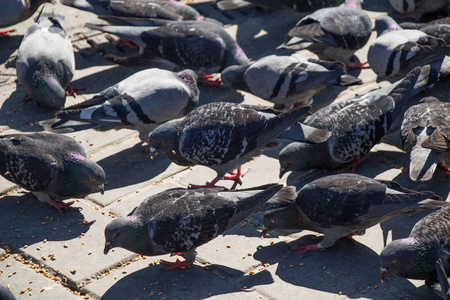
351, 166
357, 65
236, 175
209, 80
61, 206
307, 248
6, 32
71, 90
170, 265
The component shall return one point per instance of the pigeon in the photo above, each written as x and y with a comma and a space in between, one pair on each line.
202, 46
333, 33
418, 8
16, 11
51, 166
397, 51
45, 71
439, 28
143, 101
415, 257
345, 205
356, 125
6, 294
305, 6
177, 221
222, 136
425, 132
287, 80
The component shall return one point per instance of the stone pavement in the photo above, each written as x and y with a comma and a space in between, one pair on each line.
52, 256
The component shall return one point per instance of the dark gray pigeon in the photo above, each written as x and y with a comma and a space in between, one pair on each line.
54, 167
333, 33
287, 80
222, 136
356, 125
418, 8
345, 205
415, 257
397, 51
16, 11
426, 133
46, 71
202, 46
6, 294
305, 6
178, 221
142, 101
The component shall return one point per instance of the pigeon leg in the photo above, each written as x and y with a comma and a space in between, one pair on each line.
127, 43
350, 237
357, 65
208, 184
60, 206
307, 248
208, 80
6, 32
71, 90
236, 176
447, 169
350, 166
176, 264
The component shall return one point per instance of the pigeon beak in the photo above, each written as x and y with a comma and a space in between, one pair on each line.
101, 188
152, 152
383, 273
264, 231
282, 172
108, 246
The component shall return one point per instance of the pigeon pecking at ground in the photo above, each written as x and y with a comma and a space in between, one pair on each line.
356, 125
397, 51
222, 136
54, 167
202, 46
287, 80
415, 257
295, 5
345, 205
16, 11
426, 133
46, 62
333, 33
418, 8
142, 101
178, 221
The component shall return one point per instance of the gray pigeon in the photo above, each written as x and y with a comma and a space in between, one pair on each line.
345, 205
142, 101
287, 80
46, 62
397, 51
178, 221
52, 166
307, 6
202, 46
356, 125
333, 33
426, 133
16, 11
418, 8
222, 136
439, 28
415, 257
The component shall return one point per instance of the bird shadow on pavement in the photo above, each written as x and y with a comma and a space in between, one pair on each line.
26, 221
8, 45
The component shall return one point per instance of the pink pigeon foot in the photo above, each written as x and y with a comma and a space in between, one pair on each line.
307, 248
236, 175
71, 90
350, 166
6, 32
176, 264
208, 184
355, 65
127, 43
447, 169
208, 80
61, 206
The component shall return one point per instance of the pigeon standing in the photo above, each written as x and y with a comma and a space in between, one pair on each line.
418, 8
202, 46
287, 80
293, 5
46, 62
178, 221
142, 101
397, 51
356, 125
222, 136
333, 33
52, 166
415, 257
426, 133
345, 205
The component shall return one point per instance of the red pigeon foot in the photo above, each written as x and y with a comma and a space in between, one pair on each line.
174, 265
61, 206
307, 248
6, 32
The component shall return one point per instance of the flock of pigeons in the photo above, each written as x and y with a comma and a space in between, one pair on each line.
161, 103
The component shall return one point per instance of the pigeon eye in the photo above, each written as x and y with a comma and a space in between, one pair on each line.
290, 162
117, 234
394, 261
273, 221
161, 141
92, 179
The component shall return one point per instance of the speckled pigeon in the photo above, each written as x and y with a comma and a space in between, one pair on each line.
287, 80
418, 8
397, 51
54, 167
345, 205
426, 133
178, 221
307, 6
333, 33
202, 46
439, 28
415, 257
142, 101
356, 124
46, 63
16, 11
222, 136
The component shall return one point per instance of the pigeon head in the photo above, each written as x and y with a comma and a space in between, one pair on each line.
283, 218
234, 77
403, 6
128, 233
164, 139
385, 24
298, 157
406, 258
47, 90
